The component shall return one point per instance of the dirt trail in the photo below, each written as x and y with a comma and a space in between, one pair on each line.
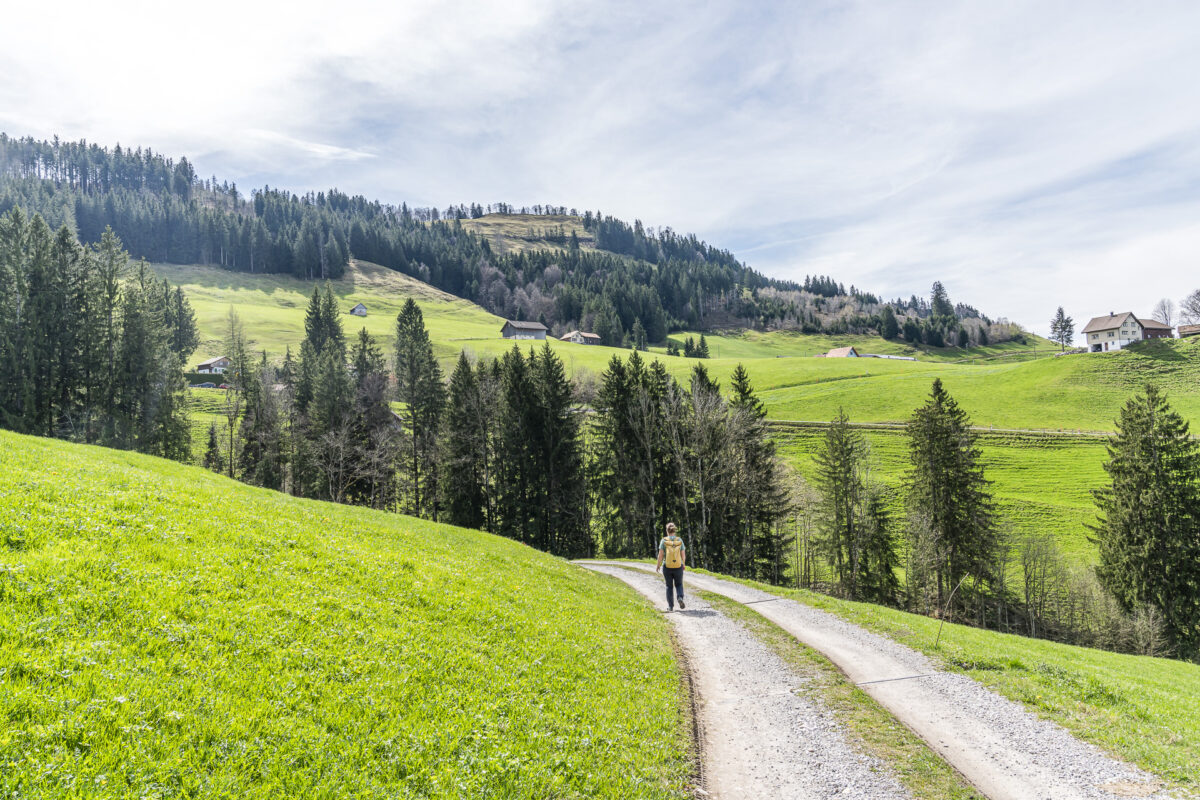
1005, 751
762, 740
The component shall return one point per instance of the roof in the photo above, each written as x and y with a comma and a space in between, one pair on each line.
1189, 330
1156, 325
526, 326
360, 305
1107, 322
841, 352
567, 336
211, 361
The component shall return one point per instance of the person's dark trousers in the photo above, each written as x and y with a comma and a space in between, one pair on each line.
673, 576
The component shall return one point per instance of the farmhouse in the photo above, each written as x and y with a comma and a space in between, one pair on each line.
1116, 331
842, 352
579, 337
1189, 330
359, 310
1153, 329
523, 330
214, 366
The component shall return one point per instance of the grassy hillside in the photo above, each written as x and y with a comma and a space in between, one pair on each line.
1042, 484
165, 632
513, 233
775, 344
1142, 709
1082, 392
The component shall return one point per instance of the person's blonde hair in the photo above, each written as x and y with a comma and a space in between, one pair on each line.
670, 527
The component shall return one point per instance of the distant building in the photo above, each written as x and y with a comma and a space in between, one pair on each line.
1189, 330
579, 337
523, 330
1153, 329
359, 310
214, 366
842, 352
1117, 331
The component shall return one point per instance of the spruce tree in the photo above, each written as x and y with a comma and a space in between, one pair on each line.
948, 491
212, 453
702, 348
1062, 329
1149, 517
465, 445
374, 434
889, 328
762, 499
562, 528
423, 396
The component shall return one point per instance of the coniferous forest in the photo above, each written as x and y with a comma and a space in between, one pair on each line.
638, 282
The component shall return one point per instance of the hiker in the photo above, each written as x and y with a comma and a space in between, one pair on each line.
672, 555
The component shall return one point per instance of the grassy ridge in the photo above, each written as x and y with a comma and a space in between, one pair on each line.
166, 632
1142, 709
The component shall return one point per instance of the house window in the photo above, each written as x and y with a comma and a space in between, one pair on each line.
1110, 334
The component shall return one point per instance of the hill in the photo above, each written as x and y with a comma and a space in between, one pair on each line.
589, 271
165, 631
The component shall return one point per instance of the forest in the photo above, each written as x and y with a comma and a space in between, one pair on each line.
637, 278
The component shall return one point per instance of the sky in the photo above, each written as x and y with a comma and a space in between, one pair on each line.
1026, 154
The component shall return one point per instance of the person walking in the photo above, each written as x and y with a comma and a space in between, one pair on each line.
672, 556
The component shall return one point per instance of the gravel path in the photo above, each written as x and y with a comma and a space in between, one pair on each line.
1005, 751
761, 739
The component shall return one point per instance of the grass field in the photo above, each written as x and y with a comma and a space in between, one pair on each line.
1042, 484
1075, 392
767, 344
165, 632
1142, 709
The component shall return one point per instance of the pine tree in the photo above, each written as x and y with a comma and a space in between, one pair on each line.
638, 334
423, 397
948, 492
1062, 329
563, 526
1149, 517
212, 454
762, 499
516, 469
374, 434
465, 453
702, 348
889, 328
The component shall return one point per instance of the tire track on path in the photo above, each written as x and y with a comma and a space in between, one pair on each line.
1006, 752
761, 739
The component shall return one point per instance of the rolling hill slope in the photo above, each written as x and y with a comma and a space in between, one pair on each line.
168, 632
1042, 485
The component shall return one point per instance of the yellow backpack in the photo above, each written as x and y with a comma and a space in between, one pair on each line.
673, 549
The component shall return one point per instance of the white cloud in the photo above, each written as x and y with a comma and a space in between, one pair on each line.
1027, 154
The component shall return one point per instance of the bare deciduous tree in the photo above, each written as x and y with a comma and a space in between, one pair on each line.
1189, 307
1164, 311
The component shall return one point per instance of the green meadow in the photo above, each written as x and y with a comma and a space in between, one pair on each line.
1042, 484
165, 632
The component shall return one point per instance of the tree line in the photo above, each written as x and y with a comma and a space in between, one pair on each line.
91, 349
509, 445
959, 562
